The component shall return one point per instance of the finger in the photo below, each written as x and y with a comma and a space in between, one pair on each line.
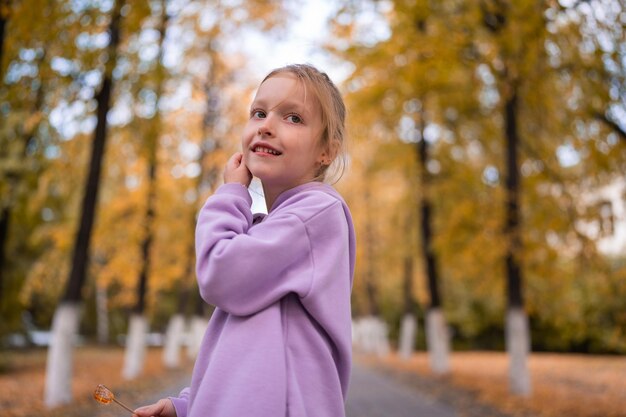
236, 159
141, 412
148, 410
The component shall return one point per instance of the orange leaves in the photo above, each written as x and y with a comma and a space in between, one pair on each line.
571, 385
21, 388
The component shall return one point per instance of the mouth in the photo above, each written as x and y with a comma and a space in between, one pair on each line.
265, 150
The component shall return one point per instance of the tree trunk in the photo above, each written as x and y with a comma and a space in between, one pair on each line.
5, 12
102, 314
518, 349
408, 332
59, 362
135, 352
517, 334
135, 346
175, 335
206, 181
436, 329
58, 372
27, 137
5, 215
374, 330
408, 328
197, 327
438, 341
137, 330
370, 286
174, 338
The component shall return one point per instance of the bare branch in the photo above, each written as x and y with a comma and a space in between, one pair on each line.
612, 124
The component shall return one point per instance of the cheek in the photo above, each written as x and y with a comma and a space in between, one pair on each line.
313, 148
246, 136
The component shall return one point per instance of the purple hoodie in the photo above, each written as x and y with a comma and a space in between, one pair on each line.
279, 341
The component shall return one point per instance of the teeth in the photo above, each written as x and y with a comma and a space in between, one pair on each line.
266, 150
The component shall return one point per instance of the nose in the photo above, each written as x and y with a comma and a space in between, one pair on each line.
266, 127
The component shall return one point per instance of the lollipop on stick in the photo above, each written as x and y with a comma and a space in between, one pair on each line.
105, 396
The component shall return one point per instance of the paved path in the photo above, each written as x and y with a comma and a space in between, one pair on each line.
372, 394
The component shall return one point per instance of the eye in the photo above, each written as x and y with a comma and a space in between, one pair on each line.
294, 118
258, 114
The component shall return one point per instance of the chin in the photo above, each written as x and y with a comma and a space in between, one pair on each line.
258, 173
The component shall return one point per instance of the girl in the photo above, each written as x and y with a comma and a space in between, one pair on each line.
279, 341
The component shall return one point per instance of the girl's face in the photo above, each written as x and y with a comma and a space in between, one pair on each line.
281, 141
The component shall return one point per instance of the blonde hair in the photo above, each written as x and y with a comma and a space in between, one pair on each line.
333, 115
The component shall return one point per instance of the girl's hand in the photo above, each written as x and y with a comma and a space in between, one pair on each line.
163, 408
237, 171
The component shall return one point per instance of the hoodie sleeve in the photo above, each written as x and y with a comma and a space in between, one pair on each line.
243, 269
180, 402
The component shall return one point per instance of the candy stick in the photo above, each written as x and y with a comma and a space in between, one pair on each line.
104, 395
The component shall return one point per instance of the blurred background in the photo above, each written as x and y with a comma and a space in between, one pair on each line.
486, 171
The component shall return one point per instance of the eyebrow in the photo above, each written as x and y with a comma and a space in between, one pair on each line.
299, 106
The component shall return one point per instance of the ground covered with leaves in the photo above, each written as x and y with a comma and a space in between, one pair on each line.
477, 385
23, 377
563, 385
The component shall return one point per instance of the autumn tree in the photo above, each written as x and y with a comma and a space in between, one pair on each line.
138, 327
520, 51
25, 137
66, 318
407, 70
486, 73
497, 17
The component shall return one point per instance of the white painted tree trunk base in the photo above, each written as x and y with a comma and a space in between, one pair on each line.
381, 337
367, 326
518, 348
408, 331
357, 334
173, 341
438, 341
135, 347
197, 327
58, 389
369, 335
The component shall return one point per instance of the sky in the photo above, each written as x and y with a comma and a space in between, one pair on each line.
305, 34
301, 43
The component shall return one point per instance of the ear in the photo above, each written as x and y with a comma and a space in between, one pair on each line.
328, 154
324, 159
